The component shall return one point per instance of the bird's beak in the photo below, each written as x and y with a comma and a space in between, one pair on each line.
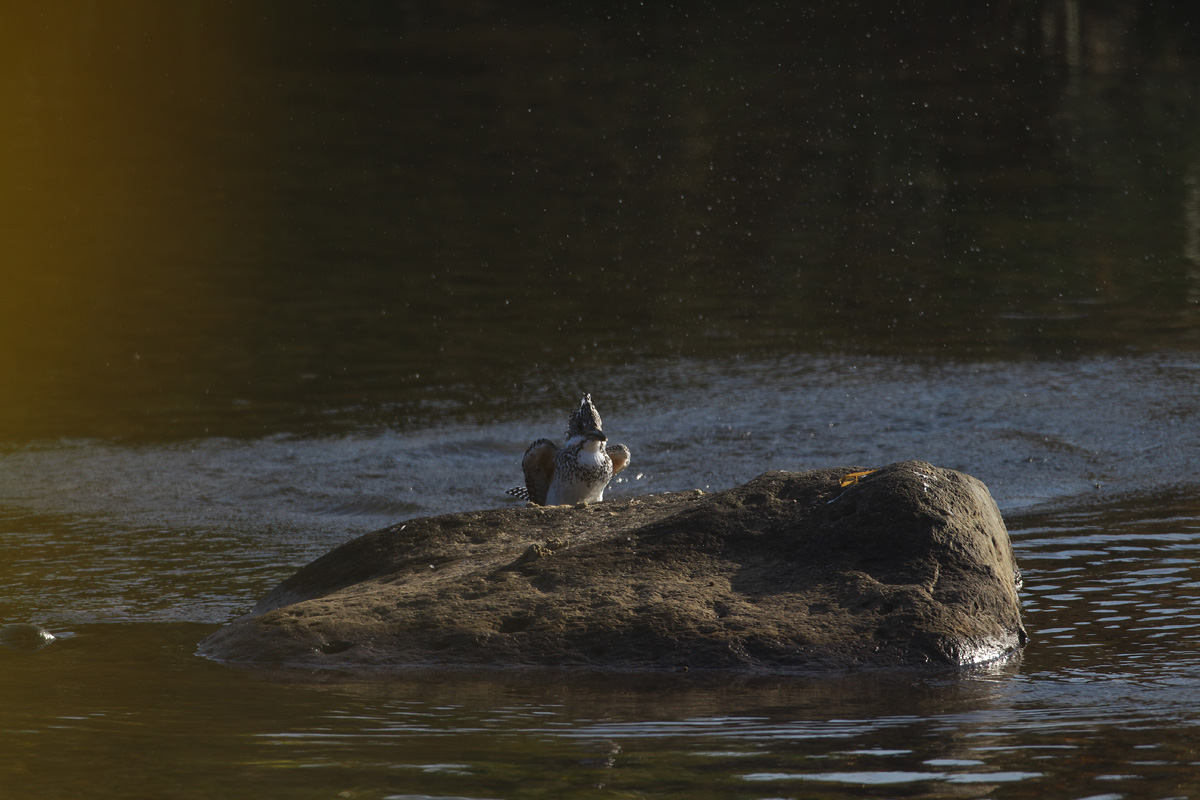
597, 435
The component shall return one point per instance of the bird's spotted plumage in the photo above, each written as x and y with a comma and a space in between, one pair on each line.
586, 418
580, 471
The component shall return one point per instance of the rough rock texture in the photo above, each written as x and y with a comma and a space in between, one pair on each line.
911, 565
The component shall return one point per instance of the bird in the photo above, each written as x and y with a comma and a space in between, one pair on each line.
580, 470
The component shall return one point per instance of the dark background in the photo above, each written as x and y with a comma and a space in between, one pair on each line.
247, 218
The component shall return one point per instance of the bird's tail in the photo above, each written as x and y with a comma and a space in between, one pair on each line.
519, 492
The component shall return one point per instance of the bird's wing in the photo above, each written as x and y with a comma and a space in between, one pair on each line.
619, 454
538, 466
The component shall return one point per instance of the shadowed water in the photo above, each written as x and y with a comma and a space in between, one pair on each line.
277, 276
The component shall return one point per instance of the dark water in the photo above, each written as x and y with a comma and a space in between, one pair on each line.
279, 275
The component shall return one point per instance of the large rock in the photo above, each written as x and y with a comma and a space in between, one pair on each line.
911, 565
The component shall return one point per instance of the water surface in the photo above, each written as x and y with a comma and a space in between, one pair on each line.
276, 277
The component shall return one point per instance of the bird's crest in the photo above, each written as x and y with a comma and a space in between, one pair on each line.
586, 418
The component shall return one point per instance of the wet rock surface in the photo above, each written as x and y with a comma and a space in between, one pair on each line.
25, 636
910, 565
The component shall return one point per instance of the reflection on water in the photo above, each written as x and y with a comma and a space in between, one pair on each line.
1099, 696
275, 276
280, 220
1061, 718
1129, 568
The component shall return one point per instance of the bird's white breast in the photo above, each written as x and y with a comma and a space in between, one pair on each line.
591, 458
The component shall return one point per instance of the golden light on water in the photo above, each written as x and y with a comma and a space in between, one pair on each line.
114, 118
280, 273
209, 207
